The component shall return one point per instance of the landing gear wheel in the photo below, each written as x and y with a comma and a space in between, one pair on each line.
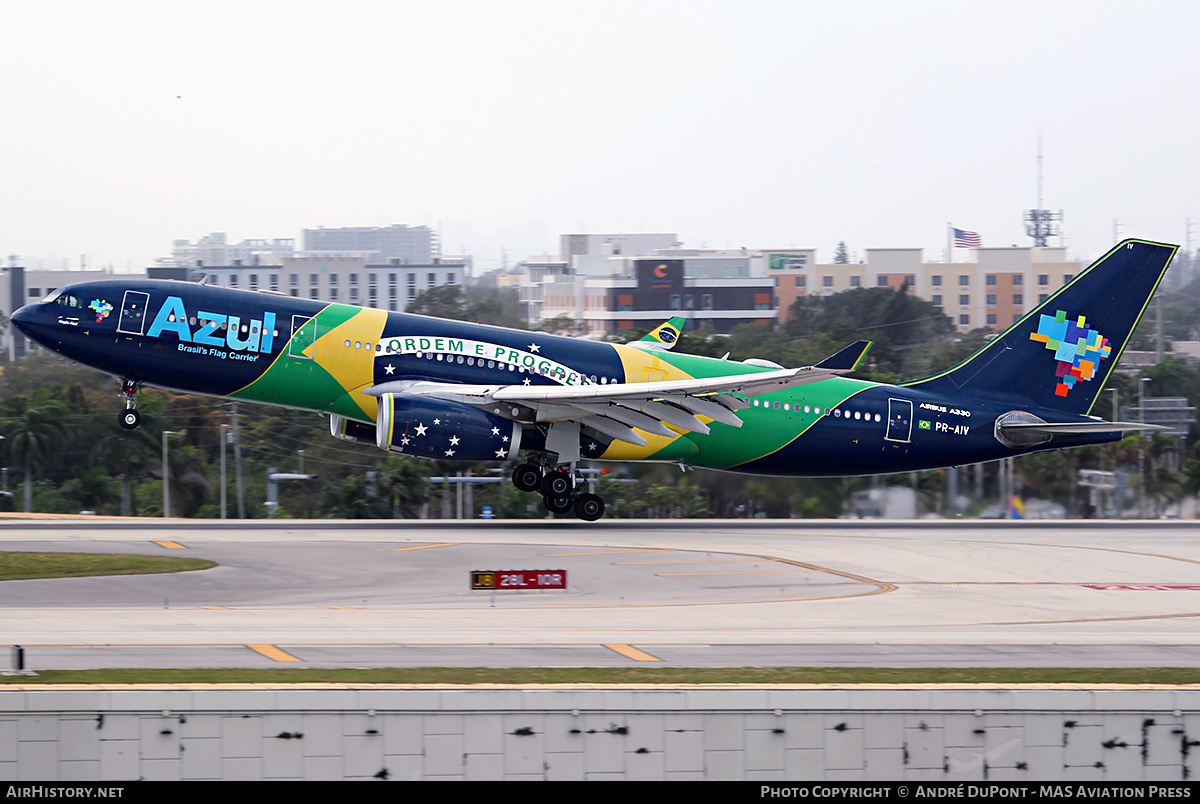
527, 477
130, 419
558, 505
589, 507
557, 484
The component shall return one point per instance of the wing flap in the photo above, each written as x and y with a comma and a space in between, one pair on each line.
626, 416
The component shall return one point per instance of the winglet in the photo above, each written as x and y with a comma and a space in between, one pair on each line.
664, 336
847, 359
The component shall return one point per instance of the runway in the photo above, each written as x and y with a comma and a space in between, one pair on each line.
663, 593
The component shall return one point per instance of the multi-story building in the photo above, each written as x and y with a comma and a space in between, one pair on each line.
415, 245
994, 289
344, 277
581, 256
214, 250
718, 289
540, 275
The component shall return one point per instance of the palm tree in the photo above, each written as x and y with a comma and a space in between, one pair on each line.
127, 452
35, 437
404, 483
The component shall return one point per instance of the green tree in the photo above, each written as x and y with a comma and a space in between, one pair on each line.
564, 325
841, 256
905, 330
404, 483
129, 452
35, 438
496, 306
445, 301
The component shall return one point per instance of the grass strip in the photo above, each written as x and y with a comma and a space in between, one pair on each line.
436, 676
26, 566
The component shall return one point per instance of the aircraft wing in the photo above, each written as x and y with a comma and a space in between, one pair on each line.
616, 409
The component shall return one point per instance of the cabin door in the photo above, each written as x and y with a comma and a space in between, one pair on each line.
899, 420
303, 334
133, 312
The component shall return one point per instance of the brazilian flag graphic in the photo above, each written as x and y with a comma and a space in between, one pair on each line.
923, 424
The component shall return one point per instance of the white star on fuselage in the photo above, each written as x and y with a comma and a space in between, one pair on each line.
495, 431
449, 453
421, 429
454, 441
533, 347
389, 368
500, 453
437, 421
525, 381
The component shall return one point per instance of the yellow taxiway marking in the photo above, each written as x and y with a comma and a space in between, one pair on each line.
698, 561
604, 553
630, 652
272, 652
171, 545
755, 572
424, 546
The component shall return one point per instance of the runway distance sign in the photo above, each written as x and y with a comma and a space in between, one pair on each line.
518, 579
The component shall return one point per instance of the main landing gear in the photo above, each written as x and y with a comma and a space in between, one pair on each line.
558, 488
130, 418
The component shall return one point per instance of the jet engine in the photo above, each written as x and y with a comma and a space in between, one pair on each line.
444, 430
345, 429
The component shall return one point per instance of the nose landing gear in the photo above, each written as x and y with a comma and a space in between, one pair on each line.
130, 418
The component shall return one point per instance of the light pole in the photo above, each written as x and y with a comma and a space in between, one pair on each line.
166, 472
225, 437
1115, 497
1142, 449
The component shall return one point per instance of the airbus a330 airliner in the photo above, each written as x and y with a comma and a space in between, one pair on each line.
450, 390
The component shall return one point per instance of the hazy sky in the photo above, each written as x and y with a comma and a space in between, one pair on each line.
125, 125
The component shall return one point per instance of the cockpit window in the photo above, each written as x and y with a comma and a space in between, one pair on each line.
54, 294
67, 300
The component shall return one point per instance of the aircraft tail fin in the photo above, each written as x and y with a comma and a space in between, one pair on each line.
1060, 354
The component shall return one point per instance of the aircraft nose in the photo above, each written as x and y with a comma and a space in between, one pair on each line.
23, 319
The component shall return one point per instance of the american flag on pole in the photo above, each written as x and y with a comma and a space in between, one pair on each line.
965, 239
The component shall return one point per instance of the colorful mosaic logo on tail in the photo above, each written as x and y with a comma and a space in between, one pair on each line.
1077, 347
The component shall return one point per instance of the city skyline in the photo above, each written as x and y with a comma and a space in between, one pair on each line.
757, 124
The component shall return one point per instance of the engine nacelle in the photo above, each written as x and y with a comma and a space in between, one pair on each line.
345, 429
443, 430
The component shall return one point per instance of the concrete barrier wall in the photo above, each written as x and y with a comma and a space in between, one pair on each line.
772, 734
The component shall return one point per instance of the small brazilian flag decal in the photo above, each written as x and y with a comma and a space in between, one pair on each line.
924, 425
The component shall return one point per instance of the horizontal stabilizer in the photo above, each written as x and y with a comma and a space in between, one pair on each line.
1077, 428
848, 358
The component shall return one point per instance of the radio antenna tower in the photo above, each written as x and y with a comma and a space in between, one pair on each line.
1041, 224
